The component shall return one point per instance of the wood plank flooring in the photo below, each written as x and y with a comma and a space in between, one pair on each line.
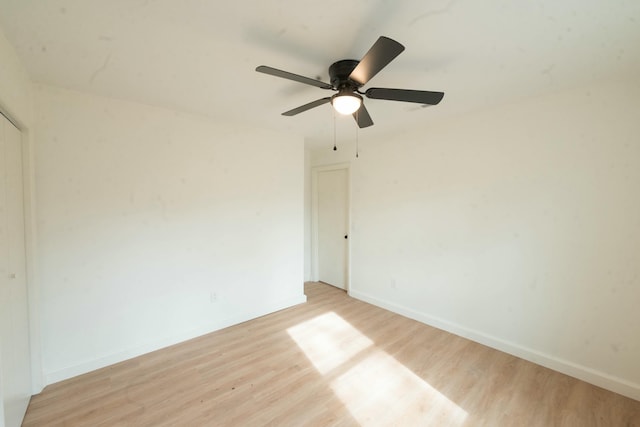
334, 361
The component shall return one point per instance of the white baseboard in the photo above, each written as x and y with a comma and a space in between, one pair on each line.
592, 376
92, 365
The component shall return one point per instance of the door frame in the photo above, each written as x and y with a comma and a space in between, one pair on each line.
314, 219
33, 284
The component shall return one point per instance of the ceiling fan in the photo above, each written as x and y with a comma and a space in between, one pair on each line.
347, 76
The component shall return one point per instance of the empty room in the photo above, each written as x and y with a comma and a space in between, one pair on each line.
293, 213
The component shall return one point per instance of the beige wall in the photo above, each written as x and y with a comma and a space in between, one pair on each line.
157, 226
517, 226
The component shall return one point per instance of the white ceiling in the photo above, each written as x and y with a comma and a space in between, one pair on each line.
199, 56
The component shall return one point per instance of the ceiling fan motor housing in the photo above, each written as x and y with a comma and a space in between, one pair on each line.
339, 73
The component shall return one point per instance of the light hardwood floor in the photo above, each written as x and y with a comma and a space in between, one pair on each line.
333, 361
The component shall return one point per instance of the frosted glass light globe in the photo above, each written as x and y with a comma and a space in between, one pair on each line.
346, 102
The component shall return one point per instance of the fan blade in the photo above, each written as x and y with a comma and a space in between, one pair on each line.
418, 96
383, 51
296, 78
362, 117
306, 107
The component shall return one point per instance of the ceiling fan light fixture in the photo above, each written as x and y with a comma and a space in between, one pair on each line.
347, 76
346, 102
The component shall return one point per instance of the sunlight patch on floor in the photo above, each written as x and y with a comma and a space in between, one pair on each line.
328, 341
380, 390
373, 385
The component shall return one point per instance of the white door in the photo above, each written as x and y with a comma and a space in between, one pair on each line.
333, 228
15, 355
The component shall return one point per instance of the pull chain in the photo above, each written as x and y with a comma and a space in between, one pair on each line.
334, 130
357, 130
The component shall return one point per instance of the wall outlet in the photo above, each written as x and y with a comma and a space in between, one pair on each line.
393, 284
213, 297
